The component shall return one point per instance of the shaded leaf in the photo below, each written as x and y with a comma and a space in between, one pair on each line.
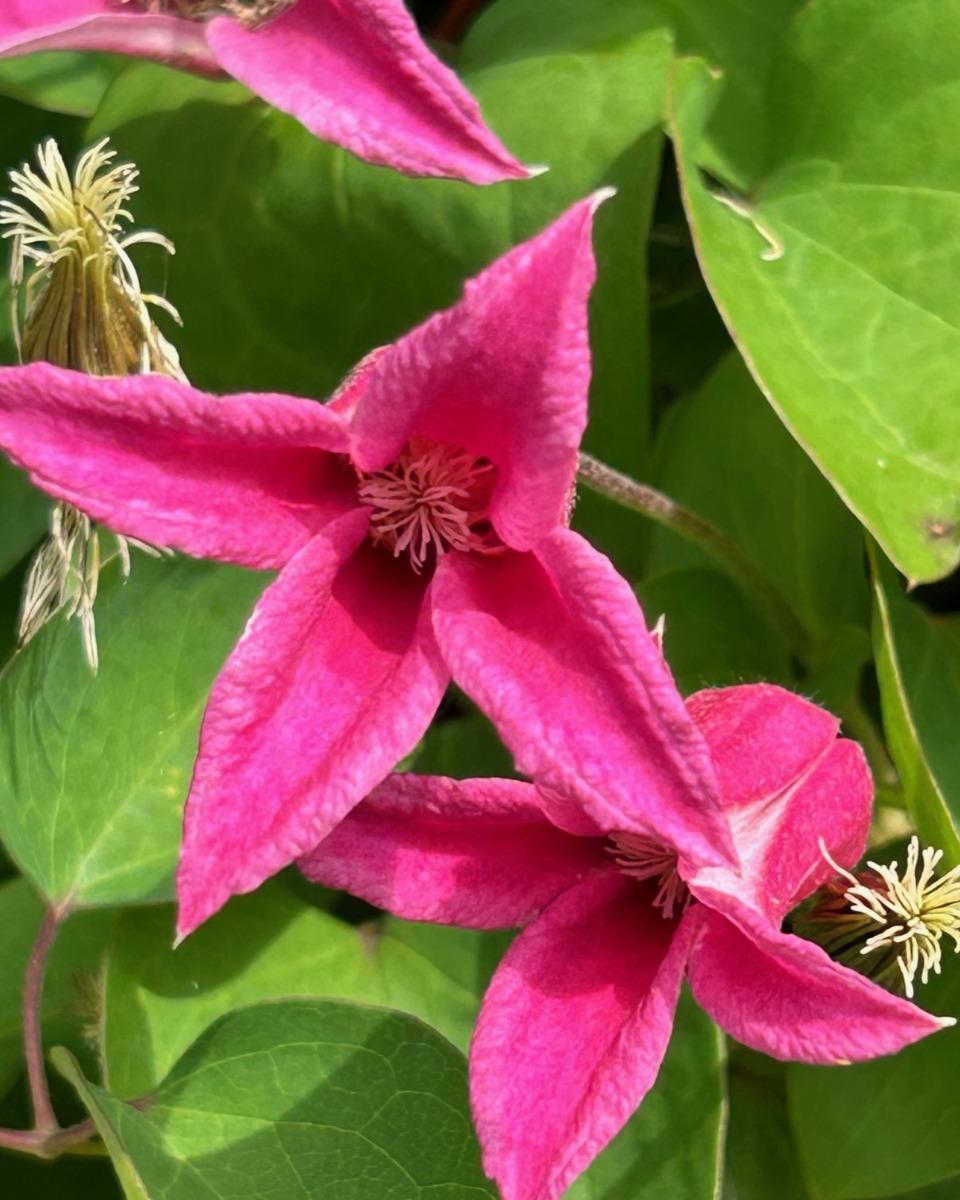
918, 667
94, 768
723, 453
309, 1098
880, 1128
267, 945
673, 1146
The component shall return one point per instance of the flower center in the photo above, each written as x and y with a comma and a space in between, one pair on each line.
251, 14
899, 921
643, 858
432, 499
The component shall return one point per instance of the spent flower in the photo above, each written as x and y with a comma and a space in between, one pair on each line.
354, 72
82, 307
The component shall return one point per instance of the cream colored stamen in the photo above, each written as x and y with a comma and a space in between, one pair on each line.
915, 911
642, 857
432, 499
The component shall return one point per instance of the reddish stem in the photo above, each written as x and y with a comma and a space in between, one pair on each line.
455, 20
45, 1118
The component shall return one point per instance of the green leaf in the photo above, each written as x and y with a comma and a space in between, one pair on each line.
672, 1147
438, 973
918, 667
68, 1178
23, 516
761, 1159
157, 1000
318, 1099
268, 945
94, 768
888, 1126
724, 454
739, 37
858, 203
714, 635
59, 81
70, 994
463, 747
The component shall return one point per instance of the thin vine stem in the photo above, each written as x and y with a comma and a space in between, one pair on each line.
643, 499
45, 1119
49, 1145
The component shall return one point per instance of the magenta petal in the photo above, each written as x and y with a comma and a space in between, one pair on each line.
356, 72
788, 783
554, 648
572, 1033
478, 853
761, 738
27, 26
785, 997
243, 479
335, 678
505, 373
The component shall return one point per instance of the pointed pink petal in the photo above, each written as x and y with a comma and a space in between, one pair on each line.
243, 479
785, 997
356, 72
336, 678
788, 782
761, 738
30, 25
572, 1032
505, 373
553, 647
478, 853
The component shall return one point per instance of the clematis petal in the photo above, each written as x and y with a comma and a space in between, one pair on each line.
554, 648
357, 72
761, 738
242, 479
788, 783
335, 679
477, 852
785, 997
572, 1033
27, 26
505, 373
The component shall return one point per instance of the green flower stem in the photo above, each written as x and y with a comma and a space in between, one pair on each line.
660, 508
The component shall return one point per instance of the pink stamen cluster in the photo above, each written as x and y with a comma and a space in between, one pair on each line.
645, 858
432, 499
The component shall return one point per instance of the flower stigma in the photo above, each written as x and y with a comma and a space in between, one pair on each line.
898, 921
642, 857
433, 498
251, 14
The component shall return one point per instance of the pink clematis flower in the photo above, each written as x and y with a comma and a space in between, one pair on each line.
428, 498
577, 1018
354, 72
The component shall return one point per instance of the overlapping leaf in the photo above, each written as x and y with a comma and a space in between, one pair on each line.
836, 271
318, 1099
